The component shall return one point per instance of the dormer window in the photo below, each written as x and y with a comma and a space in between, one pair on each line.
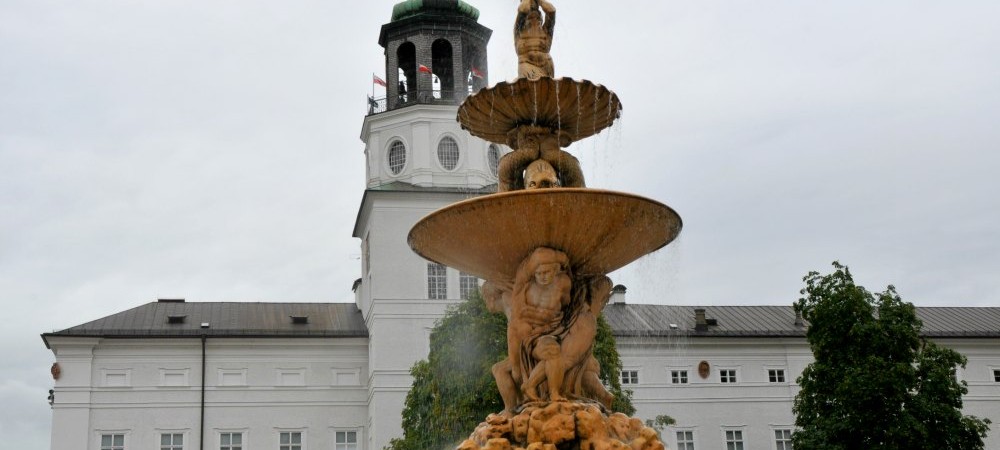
175, 319
300, 320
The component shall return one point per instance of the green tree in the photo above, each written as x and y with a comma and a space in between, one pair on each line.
875, 384
453, 389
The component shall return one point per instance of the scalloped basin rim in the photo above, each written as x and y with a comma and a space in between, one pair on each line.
601, 231
576, 108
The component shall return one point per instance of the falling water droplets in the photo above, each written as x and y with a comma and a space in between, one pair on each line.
534, 103
558, 111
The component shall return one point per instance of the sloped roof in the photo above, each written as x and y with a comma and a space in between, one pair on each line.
779, 321
226, 319
237, 319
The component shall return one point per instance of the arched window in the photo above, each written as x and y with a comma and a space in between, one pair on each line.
442, 66
493, 158
448, 153
406, 58
397, 157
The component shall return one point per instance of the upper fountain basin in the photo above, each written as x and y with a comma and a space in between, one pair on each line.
574, 109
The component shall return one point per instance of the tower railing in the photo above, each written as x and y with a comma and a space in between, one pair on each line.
418, 97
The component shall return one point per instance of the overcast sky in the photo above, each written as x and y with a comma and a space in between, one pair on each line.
209, 149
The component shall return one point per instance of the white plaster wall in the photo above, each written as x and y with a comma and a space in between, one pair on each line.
145, 407
707, 407
421, 127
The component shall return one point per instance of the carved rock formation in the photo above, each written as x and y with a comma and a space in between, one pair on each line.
563, 426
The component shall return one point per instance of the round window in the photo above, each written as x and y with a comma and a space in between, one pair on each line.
397, 157
448, 153
493, 158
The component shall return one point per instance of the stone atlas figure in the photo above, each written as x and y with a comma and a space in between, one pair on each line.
548, 243
533, 39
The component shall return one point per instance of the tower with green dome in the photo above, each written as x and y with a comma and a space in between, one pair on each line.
418, 159
444, 37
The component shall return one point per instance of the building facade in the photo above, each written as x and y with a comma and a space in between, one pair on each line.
174, 375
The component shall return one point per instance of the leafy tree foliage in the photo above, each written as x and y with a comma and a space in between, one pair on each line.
453, 389
875, 384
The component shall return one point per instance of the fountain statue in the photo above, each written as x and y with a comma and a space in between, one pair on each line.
545, 244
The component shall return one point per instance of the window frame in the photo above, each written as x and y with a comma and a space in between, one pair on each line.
727, 373
680, 376
464, 291
301, 445
688, 442
123, 433
438, 289
458, 153
344, 445
388, 156
736, 441
996, 375
172, 445
244, 438
632, 377
777, 375
782, 442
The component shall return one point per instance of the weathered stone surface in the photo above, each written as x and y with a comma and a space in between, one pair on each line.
563, 425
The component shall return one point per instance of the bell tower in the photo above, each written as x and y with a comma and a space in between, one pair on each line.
418, 159
435, 56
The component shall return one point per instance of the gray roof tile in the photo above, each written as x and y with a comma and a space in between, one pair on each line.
226, 319
779, 321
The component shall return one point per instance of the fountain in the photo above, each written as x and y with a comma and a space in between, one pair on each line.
545, 244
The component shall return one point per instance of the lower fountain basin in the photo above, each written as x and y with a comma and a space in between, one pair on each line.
574, 109
599, 230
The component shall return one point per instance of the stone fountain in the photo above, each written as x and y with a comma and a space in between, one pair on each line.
545, 244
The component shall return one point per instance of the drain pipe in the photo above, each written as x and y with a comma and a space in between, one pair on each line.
201, 432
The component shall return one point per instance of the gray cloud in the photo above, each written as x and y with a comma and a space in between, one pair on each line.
210, 150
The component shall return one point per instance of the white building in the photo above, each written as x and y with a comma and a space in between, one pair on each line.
287, 376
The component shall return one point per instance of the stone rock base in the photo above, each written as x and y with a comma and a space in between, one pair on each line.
562, 426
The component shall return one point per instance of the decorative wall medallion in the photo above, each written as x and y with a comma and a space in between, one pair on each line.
55, 371
704, 370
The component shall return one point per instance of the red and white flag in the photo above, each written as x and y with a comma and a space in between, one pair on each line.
377, 80
424, 69
476, 73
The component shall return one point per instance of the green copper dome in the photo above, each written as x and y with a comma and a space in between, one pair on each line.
410, 8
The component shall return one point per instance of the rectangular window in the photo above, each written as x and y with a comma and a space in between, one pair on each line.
112, 442
437, 281
685, 440
630, 377
467, 285
346, 440
727, 375
679, 376
734, 439
231, 441
996, 375
171, 441
776, 375
783, 439
291, 440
